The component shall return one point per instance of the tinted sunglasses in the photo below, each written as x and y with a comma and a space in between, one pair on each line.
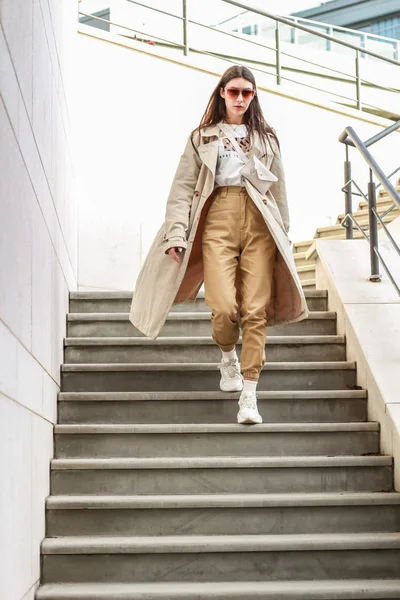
233, 93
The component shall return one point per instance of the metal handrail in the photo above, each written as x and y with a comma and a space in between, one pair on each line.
235, 36
185, 46
286, 21
357, 32
260, 44
153, 37
239, 59
344, 138
326, 36
159, 10
377, 278
352, 182
291, 22
369, 159
350, 137
389, 176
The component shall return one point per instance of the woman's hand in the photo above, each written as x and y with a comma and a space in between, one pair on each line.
173, 252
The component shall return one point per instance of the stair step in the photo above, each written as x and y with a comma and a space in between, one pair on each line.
357, 235
187, 324
351, 589
124, 377
330, 230
229, 514
175, 544
308, 284
306, 273
78, 559
309, 268
178, 501
105, 302
301, 259
337, 232
382, 191
223, 439
363, 213
382, 202
216, 407
302, 246
234, 474
197, 349
158, 493
199, 428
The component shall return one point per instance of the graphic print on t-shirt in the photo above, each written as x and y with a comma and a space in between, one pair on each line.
229, 163
242, 142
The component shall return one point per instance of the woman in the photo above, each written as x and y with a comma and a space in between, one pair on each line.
220, 229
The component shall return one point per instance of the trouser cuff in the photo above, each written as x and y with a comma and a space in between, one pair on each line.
227, 348
252, 375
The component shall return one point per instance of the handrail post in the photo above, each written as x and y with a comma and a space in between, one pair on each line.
358, 81
293, 32
373, 230
363, 44
278, 54
348, 195
329, 31
185, 28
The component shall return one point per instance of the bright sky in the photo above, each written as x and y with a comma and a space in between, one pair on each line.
280, 7
211, 11
285, 6
215, 11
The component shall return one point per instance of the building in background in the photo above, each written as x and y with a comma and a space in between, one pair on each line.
96, 19
381, 17
96, 13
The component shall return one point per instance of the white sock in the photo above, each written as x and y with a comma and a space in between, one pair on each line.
249, 385
229, 355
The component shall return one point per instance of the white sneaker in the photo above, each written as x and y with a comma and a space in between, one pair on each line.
248, 411
231, 379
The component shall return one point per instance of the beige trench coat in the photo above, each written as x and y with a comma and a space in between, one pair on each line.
163, 282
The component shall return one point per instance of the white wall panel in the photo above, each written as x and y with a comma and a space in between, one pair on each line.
38, 266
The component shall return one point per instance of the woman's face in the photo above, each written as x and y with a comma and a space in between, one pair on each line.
238, 94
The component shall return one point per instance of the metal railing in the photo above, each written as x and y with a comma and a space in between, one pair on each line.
298, 25
245, 21
350, 138
276, 68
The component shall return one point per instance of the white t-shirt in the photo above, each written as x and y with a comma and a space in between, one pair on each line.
229, 162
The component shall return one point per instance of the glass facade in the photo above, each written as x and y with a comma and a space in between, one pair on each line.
249, 29
388, 27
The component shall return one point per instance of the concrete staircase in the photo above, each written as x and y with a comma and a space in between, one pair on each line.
303, 255
157, 493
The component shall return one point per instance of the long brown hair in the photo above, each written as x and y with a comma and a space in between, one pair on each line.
253, 118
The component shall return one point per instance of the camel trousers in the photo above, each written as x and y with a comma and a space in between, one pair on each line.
235, 234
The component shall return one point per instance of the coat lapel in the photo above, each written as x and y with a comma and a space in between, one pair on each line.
209, 155
208, 152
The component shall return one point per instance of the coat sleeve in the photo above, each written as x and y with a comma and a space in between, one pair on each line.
181, 196
278, 189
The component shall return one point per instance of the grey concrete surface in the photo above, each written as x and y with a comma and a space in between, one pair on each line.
153, 480
217, 407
